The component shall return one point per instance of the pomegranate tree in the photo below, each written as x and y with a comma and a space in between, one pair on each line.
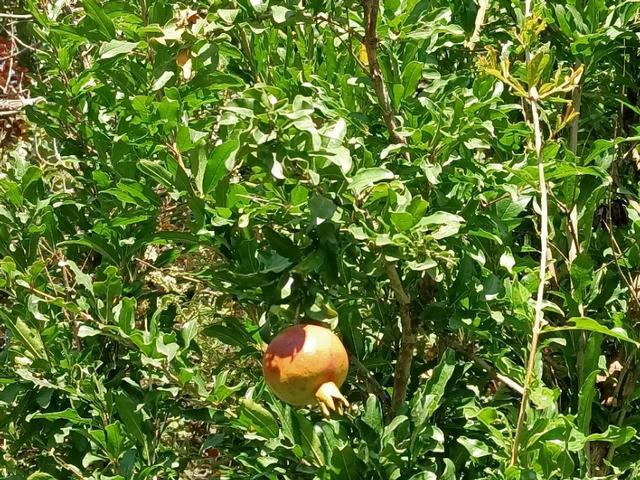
307, 364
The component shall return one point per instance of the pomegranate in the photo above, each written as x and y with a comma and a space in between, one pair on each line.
307, 364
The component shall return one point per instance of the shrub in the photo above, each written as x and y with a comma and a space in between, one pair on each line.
202, 175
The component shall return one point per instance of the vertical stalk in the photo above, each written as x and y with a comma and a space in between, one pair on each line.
407, 342
574, 249
544, 246
483, 6
371, 8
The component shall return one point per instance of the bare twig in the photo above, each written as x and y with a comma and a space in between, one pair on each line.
16, 16
172, 274
491, 370
483, 5
15, 105
20, 42
11, 54
345, 29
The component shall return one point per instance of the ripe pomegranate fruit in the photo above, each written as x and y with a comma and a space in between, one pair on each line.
307, 364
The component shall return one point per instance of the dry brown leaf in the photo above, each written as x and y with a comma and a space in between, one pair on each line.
183, 60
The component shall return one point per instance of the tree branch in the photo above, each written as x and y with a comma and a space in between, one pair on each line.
16, 16
408, 339
490, 369
371, 8
483, 6
18, 103
373, 384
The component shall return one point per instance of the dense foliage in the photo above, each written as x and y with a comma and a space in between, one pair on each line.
201, 175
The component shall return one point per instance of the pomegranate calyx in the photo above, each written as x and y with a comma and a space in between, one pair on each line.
330, 399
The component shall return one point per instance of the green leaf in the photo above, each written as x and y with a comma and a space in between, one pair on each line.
403, 221
225, 81
114, 440
28, 336
220, 162
255, 417
410, 77
613, 434
424, 476
616, 435
162, 80
585, 402
125, 314
97, 244
157, 172
281, 244
40, 476
591, 325
87, 331
373, 414
441, 218
68, 414
81, 277
308, 438
169, 350
132, 420
367, 177
189, 331
475, 447
344, 463
427, 399
230, 333
116, 47
321, 208
97, 14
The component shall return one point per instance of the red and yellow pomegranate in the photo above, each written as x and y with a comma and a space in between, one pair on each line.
307, 364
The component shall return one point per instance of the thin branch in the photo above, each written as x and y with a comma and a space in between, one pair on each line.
14, 105
544, 248
483, 6
617, 254
345, 29
572, 219
490, 369
25, 45
374, 386
15, 54
16, 16
350, 34
11, 53
169, 273
407, 341
371, 8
